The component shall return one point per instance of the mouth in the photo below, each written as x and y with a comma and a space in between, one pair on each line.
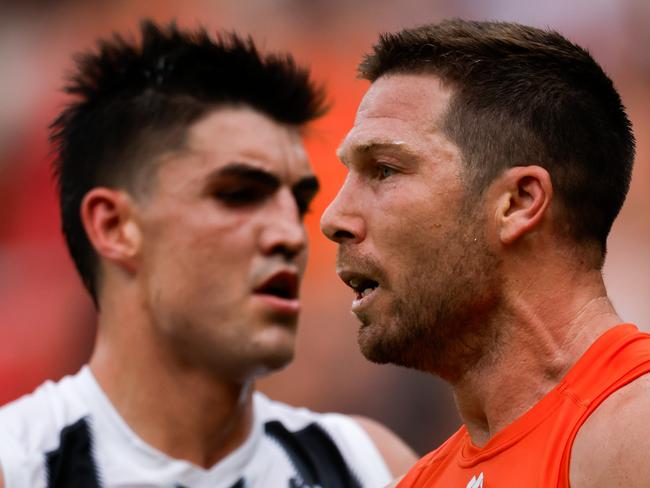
280, 292
363, 286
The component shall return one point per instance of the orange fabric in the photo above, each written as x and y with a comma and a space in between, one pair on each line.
534, 451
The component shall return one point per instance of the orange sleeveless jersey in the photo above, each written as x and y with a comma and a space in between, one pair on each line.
534, 451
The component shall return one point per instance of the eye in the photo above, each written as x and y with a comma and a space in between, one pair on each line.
303, 201
241, 196
303, 208
385, 171
304, 193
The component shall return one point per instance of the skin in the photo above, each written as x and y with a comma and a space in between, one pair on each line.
184, 329
198, 332
425, 252
496, 286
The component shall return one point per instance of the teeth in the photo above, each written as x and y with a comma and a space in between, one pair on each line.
366, 292
355, 282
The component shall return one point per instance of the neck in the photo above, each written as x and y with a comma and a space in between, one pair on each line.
541, 338
183, 412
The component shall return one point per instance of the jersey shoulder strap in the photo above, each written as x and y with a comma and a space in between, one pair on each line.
314, 455
72, 464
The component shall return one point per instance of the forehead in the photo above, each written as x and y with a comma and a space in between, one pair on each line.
243, 135
399, 109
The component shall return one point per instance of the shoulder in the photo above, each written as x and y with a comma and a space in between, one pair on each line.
371, 450
398, 456
17, 419
343, 429
611, 447
30, 427
428, 464
51, 403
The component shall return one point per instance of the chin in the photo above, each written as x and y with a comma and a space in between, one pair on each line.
274, 361
387, 343
374, 342
274, 348
375, 352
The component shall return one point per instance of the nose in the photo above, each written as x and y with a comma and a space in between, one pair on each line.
342, 222
284, 231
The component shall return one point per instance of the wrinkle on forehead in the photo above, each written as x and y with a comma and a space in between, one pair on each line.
421, 98
405, 112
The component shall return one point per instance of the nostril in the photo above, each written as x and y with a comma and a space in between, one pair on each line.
287, 252
348, 227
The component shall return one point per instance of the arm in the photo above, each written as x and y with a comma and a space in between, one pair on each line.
611, 449
397, 455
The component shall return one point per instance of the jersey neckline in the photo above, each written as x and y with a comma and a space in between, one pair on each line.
189, 474
470, 454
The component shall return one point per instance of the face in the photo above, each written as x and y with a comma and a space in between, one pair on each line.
224, 246
412, 240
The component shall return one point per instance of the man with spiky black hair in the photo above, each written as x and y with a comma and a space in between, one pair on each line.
487, 163
183, 185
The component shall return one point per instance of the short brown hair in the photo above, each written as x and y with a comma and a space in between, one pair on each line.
525, 96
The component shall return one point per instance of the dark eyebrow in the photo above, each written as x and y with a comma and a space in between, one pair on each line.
304, 192
309, 184
247, 172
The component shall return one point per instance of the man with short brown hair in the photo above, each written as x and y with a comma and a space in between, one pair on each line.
487, 163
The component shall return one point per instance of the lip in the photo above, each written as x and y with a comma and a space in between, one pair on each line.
289, 279
359, 304
280, 305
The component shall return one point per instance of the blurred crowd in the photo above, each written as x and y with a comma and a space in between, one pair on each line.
47, 321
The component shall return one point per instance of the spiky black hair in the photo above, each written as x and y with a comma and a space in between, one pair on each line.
136, 100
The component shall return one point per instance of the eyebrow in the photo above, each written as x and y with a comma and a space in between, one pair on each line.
253, 174
372, 146
308, 184
247, 172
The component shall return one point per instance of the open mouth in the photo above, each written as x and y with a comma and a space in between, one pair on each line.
282, 285
362, 285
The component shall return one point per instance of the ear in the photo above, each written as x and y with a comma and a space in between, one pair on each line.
108, 218
525, 193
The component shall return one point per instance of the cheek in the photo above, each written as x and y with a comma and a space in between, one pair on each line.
399, 224
201, 227
202, 248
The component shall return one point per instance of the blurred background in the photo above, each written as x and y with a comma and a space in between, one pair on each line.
47, 321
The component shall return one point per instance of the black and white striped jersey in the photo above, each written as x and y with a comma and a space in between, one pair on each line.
68, 434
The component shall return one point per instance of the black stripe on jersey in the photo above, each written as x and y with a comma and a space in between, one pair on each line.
238, 484
314, 454
72, 465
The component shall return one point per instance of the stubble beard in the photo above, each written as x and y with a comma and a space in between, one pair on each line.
440, 321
